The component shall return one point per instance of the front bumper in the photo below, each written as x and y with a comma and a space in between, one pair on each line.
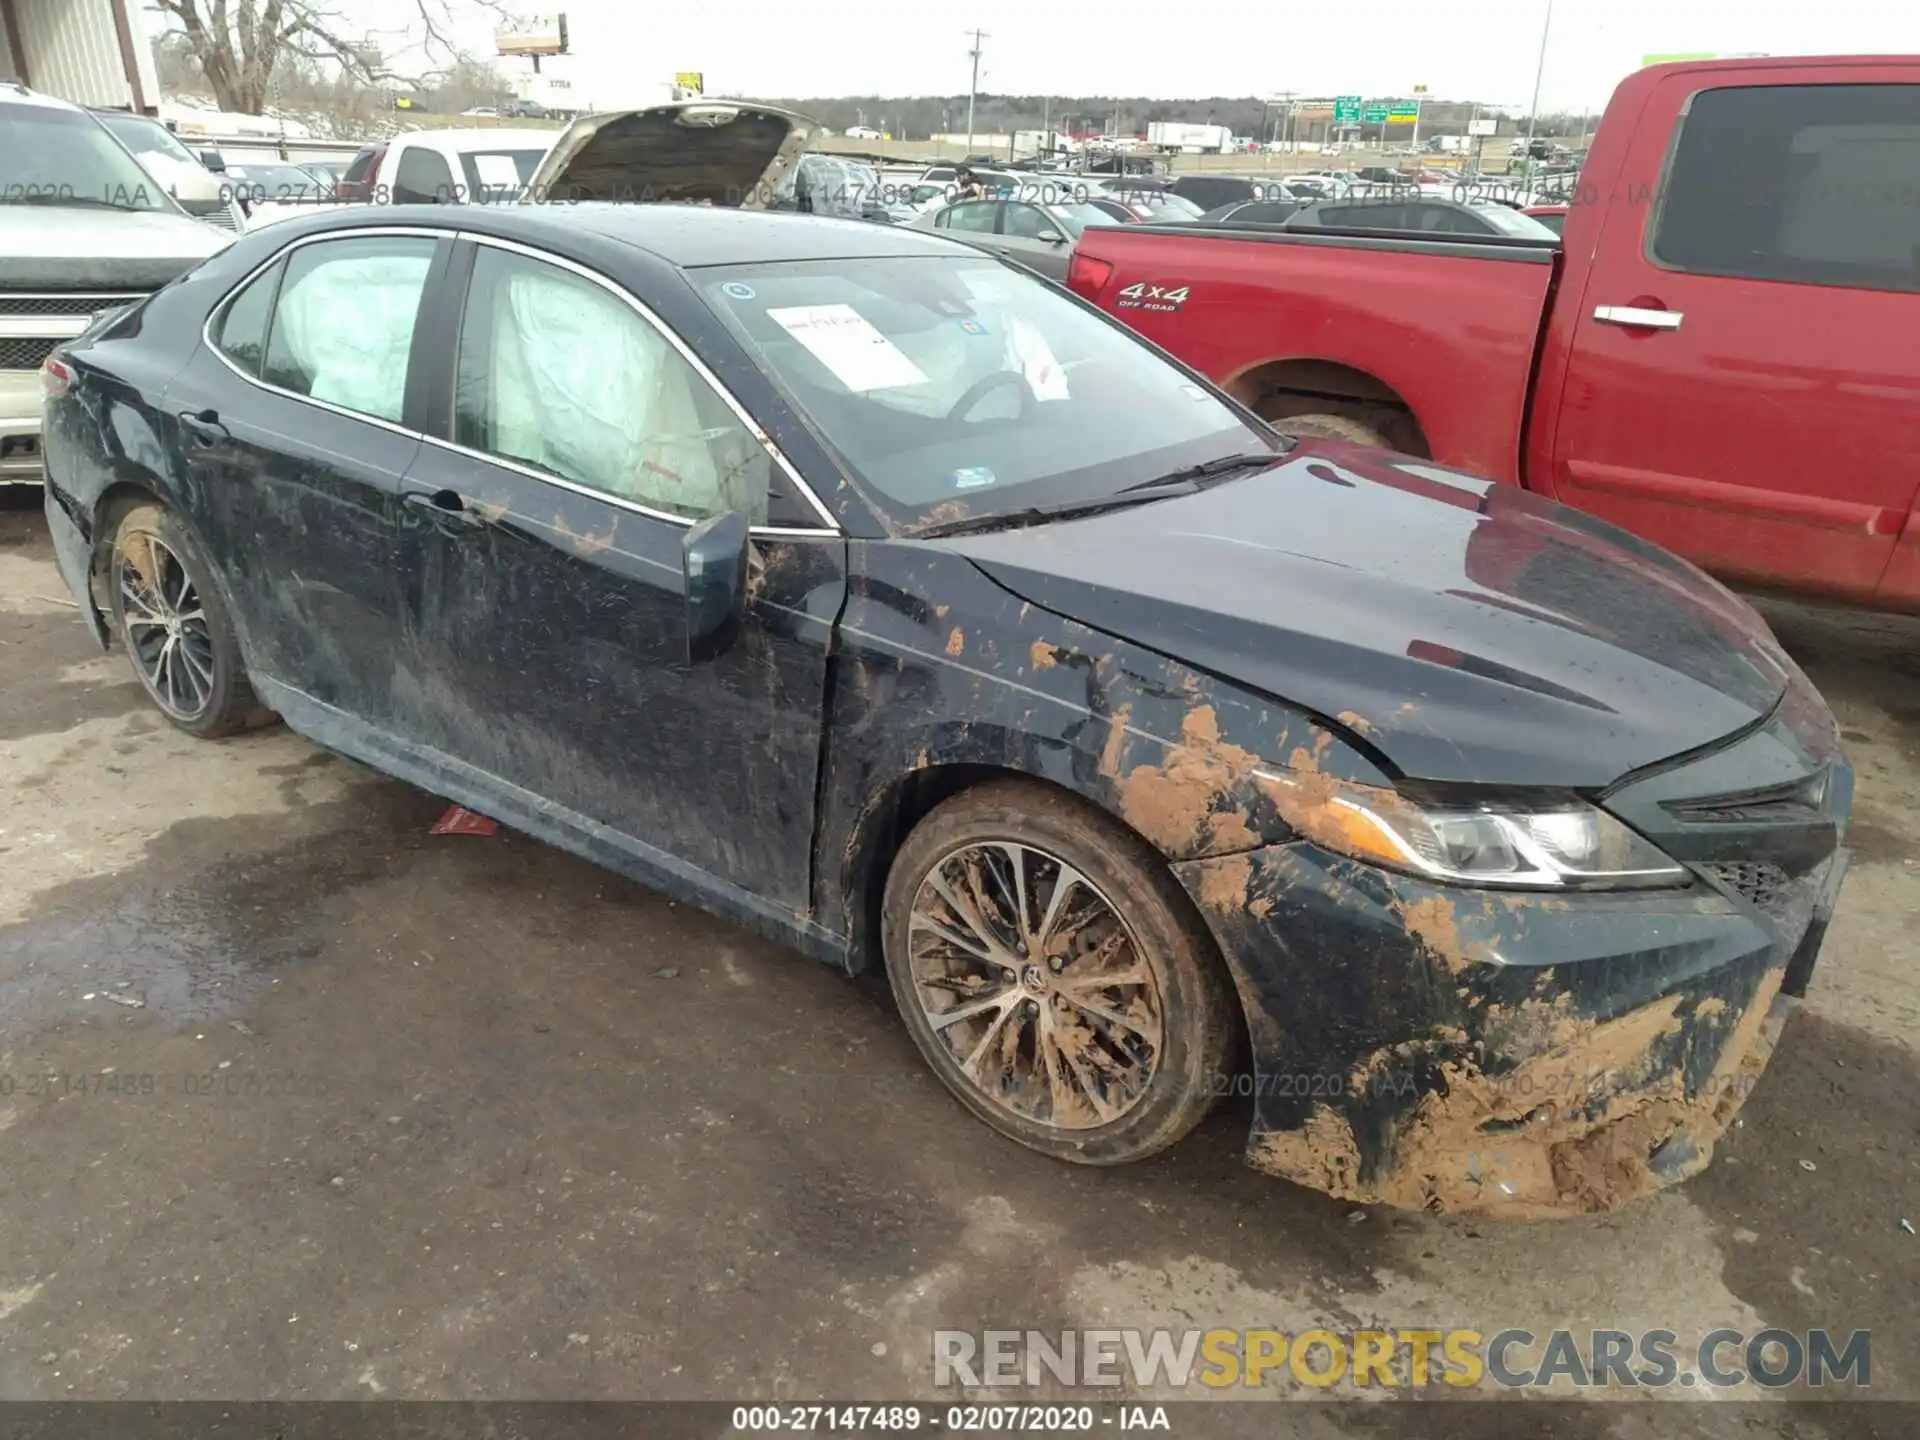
1526, 1056
20, 400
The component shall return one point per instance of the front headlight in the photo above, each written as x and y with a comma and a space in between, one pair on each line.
1570, 845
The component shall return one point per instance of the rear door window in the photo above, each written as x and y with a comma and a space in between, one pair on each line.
242, 334
1815, 184
342, 327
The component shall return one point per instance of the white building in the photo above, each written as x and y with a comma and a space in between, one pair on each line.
92, 52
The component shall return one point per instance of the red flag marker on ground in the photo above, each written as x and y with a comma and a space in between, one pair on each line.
461, 821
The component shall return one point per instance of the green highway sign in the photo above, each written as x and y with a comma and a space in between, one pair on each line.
1346, 109
1374, 115
1404, 110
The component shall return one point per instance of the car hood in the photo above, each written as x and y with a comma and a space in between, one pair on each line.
1466, 631
71, 248
37, 232
730, 152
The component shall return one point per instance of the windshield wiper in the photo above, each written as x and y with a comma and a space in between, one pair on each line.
1208, 469
85, 201
1161, 487
1040, 514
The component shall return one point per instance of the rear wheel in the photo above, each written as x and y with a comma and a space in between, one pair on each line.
1332, 427
1054, 976
175, 628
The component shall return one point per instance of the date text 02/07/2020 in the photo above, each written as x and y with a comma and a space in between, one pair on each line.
958, 1419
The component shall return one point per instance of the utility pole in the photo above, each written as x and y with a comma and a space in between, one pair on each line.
974, 90
1533, 110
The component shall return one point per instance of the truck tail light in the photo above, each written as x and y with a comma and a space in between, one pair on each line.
56, 378
1088, 276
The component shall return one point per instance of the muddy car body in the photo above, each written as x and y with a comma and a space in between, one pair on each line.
1127, 735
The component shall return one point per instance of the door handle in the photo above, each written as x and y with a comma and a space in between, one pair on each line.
446, 508
204, 426
1637, 319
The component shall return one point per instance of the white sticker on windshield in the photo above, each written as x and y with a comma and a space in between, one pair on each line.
843, 340
496, 172
1036, 360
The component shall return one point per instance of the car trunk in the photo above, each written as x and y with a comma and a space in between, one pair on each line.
732, 153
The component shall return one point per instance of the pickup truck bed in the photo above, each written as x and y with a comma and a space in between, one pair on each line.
1346, 316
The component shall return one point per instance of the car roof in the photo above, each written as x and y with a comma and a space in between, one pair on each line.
498, 138
684, 236
693, 236
12, 92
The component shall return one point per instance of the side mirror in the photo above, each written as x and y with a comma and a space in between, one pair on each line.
713, 568
214, 161
1052, 237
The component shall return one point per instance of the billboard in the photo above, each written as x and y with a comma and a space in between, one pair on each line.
691, 80
532, 35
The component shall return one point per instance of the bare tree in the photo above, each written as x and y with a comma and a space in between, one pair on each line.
240, 43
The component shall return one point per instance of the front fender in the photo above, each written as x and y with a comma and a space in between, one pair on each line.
941, 678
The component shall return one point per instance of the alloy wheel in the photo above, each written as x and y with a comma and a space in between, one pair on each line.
1033, 982
166, 627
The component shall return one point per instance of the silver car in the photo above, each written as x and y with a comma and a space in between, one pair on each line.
83, 230
1039, 236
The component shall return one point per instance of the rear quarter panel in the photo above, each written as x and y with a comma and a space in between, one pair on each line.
1454, 337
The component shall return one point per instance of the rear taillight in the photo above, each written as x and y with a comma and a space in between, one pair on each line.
1088, 276
56, 377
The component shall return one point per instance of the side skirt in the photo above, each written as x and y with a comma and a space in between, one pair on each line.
564, 829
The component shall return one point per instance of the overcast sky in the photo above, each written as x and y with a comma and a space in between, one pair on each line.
1471, 49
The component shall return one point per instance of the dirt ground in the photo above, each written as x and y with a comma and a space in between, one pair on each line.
466, 1117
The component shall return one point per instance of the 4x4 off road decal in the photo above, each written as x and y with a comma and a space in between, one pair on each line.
1151, 297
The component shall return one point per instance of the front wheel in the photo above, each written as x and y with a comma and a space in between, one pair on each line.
175, 628
1054, 976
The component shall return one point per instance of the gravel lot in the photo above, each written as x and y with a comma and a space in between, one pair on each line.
507, 1126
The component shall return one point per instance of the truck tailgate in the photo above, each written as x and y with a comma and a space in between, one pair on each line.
1449, 326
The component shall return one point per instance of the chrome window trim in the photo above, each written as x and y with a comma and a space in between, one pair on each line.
828, 527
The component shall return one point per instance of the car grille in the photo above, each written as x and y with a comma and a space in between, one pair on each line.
25, 354
78, 302
1763, 884
214, 212
1799, 800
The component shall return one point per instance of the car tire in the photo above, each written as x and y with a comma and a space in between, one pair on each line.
1104, 1040
175, 628
1332, 427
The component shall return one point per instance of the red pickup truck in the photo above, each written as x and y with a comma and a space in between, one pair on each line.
1722, 354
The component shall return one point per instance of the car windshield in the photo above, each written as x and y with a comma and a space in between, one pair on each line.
147, 137
1509, 221
500, 174
1169, 206
274, 182
834, 186
958, 387
53, 156
1076, 218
